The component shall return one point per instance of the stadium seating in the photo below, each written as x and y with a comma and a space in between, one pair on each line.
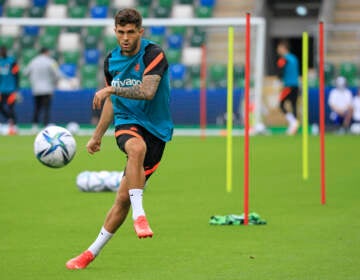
81, 49
349, 71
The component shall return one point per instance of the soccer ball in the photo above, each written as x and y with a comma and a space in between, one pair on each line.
54, 146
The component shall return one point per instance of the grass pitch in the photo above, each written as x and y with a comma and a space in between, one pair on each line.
45, 220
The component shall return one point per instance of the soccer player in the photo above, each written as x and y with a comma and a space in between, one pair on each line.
340, 103
9, 85
288, 71
137, 101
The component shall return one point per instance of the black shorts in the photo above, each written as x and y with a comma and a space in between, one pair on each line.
154, 146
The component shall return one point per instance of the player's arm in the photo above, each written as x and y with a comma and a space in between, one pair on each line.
106, 119
281, 62
15, 71
155, 63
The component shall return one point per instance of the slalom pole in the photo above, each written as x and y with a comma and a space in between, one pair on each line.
229, 118
203, 93
305, 105
247, 111
322, 110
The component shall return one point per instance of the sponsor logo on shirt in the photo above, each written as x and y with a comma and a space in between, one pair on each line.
125, 83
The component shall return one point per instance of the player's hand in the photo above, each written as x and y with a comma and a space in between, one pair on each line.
93, 145
101, 95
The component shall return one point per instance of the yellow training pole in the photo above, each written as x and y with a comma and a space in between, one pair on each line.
229, 119
305, 130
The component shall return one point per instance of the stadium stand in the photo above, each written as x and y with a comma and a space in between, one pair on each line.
80, 49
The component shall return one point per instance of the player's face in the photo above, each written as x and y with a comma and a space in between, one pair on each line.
128, 37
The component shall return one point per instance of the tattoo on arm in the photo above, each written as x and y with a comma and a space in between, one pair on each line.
144, 91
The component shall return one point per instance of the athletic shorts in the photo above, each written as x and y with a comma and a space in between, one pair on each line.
289, 93
154, 146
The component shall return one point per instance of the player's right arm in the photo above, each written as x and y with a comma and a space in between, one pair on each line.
106, 119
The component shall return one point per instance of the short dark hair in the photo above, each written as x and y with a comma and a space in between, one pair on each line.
128, 16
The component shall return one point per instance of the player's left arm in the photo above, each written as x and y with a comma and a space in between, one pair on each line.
155, 63
281, 62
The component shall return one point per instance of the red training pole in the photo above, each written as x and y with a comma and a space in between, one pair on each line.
322, 109
203, 93
247, 107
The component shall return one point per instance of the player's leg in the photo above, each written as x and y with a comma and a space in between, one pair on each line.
3, 110
294, 123
46, 104
36, 113
114, 219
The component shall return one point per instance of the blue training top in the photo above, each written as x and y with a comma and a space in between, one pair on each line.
289, 66
8, 75
154, 115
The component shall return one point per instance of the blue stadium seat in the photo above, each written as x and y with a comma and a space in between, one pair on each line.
69, 69
177, 71
208, 3
99, 12
31, 30
92, 56
40, 3
1, 11
175, 41
157, 30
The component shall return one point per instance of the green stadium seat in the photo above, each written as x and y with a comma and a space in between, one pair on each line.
27, 55
73, 29
203, 11
218, 75
89, 74
77, 12
144, 11
24, 81
82, 2
91, 42
239, 76
109, 43
349, 71
52, 30
165, 3
95, 31
71, 57
63, 2
329, 72
181, 30
7, 41
194, 71
15, 11
161, 12
102, 3
27, 41
48, 41
173, 55
159, 39
187, 2
144, 2
36, 11
197, 39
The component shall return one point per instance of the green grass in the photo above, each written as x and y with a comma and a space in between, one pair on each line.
45, 220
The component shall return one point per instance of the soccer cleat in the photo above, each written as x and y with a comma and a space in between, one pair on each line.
81, 261
142, 227
293, 128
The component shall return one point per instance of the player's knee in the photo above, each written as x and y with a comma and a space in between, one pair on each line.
136, 149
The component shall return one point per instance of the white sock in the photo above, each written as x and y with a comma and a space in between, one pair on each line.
290, 118
103, 237
136, 197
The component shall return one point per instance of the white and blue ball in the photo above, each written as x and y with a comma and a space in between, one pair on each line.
54, 146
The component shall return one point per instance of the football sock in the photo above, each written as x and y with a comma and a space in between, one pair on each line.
136, 197
103, 237
290, 118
